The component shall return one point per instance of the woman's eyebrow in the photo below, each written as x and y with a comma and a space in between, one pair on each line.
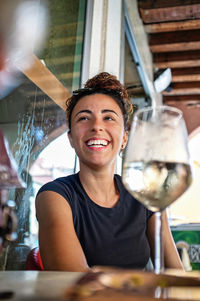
108, 111
90, 112
83, 111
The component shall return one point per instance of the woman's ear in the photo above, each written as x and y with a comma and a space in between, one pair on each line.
70, 138
125, 139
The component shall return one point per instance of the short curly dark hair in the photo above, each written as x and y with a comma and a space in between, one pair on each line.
103, 83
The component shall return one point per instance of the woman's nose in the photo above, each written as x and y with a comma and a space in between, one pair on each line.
97, 124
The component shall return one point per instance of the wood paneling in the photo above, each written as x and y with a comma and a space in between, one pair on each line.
173, 30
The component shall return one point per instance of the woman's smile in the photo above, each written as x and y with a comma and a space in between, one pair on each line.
97, 143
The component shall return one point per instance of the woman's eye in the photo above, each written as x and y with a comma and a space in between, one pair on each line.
83, 118
109, 118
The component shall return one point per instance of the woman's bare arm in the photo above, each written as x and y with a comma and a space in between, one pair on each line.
60, 248
171, 256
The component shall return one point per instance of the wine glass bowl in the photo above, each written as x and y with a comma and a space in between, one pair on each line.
158, 184
156, 168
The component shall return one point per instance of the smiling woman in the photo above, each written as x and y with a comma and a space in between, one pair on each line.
92, 219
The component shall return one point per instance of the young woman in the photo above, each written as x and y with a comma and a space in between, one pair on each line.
89, 218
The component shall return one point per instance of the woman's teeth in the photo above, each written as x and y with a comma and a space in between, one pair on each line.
97, 143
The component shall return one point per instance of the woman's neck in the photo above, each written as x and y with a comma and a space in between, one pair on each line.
100, 186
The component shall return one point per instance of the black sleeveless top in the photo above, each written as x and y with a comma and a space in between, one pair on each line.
109, 236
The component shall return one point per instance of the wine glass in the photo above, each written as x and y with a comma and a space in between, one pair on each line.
156, 169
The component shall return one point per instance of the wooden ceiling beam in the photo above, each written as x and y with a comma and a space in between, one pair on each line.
177, 59
186, 88
153, 12
172, 26
148, 4
169, 47
183, 98
182, 71
42, 77
186, 85
186, 78
185, 74
180, 40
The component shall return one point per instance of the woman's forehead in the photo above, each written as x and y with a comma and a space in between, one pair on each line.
96, 102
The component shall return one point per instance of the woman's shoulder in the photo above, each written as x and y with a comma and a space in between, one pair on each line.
61, 185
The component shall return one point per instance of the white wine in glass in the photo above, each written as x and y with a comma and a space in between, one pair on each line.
156, 169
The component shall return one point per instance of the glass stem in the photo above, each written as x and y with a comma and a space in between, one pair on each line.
159, 252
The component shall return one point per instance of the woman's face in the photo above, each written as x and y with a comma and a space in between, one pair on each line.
97, 130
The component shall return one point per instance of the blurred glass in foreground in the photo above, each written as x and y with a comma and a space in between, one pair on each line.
23, 31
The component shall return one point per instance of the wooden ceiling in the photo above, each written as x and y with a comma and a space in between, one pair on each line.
173, 29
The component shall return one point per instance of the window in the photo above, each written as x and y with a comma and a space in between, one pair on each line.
32, 115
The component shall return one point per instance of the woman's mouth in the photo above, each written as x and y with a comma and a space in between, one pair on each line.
97, 143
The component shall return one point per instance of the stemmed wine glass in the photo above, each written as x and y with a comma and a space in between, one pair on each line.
156, 169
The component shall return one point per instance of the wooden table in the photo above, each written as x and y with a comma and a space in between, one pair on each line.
34, 285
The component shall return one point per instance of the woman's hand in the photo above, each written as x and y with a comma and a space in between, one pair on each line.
60, 248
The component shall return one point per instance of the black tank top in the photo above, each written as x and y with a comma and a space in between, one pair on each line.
109, 236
